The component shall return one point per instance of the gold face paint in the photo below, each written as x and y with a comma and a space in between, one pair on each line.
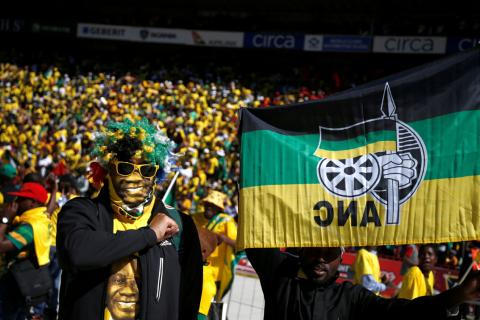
132, 189
122, 290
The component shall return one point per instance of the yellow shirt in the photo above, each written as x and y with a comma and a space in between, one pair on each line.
220, 262
415, 284
212, 165
221, 224
54, 217
53, 220
366, 263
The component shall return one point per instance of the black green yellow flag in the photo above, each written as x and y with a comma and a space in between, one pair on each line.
169, 197
394, 161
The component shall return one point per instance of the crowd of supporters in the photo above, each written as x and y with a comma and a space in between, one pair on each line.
49, 119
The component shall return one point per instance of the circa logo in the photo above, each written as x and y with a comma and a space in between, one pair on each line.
409, 45
274, 41
391, 170
468, 43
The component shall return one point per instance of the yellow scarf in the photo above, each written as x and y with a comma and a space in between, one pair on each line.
37, 218
120, 223
429, 282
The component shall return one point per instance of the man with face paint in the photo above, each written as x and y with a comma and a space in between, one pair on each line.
121, 256
305, 288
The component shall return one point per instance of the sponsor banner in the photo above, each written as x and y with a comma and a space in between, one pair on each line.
346, 43
217, 39
107, 32
137, 34
374, 165
457, 44
161, 35
38, 27
313, 42
413, 44
274, 40
12, 25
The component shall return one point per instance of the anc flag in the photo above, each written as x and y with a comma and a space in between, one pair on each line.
394, 161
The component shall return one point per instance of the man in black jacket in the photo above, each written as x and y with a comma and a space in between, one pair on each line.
122, 255
305, 288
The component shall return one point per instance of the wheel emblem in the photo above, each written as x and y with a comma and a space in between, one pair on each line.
350, 177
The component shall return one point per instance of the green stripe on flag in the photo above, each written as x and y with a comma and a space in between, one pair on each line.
270, 158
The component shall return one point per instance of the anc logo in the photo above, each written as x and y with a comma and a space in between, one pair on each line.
383, 157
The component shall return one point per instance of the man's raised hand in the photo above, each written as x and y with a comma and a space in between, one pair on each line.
164, 226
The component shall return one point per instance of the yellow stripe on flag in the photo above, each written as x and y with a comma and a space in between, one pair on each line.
284, 216
355, 152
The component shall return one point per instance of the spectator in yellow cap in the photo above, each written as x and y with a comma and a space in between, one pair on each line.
219, 269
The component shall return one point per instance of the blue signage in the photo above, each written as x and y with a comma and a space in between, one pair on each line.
274, 40
457, 44
341, 43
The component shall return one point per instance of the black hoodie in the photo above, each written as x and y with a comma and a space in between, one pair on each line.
289, 297
171, 272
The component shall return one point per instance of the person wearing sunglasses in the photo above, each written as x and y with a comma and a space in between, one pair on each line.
304, 287
127, 227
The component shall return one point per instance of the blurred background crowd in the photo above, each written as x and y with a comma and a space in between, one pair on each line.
50, 117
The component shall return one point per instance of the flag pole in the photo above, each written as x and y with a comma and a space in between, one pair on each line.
393, 203
470, 268
170, 186
467, 272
